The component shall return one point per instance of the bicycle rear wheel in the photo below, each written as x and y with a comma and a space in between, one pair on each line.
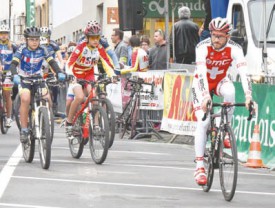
228, 166
134, 118
45, 140
99, 136
107, 105
76, 144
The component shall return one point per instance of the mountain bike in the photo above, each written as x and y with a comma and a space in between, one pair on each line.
39, 124
216, 155
50, 81
85, 128
3, 113
128, 120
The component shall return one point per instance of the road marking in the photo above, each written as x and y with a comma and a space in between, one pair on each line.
121, 151
136, 185
9, 168
23, 205
151, 166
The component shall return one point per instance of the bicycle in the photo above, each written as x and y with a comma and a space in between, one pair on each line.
130, 115
107, 105
39, 124
3, 113
50, 81
218, 157
84, 128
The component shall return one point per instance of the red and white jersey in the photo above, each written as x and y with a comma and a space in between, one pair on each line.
140, 61
84, 58
213, 65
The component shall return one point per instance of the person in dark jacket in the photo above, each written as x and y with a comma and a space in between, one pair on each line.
186, 34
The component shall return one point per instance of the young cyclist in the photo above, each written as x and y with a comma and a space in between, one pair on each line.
7, 49
29, 57
81, 63
214, 56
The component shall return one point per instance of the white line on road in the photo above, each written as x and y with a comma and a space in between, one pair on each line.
9, 168
136, 185
24, 205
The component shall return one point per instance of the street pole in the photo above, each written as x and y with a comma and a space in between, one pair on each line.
10, 4
173, 29
264, 46
166, 13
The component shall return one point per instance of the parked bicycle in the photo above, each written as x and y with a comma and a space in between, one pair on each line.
216, 155
39, 124
3, 112
90, 124
128, 120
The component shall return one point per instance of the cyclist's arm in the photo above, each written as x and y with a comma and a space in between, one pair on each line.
53, 64
106, 63
241, 67
16, 59
201, 71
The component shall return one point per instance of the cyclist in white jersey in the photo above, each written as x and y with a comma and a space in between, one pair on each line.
214, 56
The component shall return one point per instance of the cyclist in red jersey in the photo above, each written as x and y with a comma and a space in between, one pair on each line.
81, 64
214, 56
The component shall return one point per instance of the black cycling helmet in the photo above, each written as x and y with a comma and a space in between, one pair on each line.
32, 32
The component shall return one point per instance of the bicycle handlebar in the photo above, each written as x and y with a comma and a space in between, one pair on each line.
140, 82
227, 105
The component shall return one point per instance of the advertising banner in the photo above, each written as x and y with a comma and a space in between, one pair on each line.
177, 113
30, 13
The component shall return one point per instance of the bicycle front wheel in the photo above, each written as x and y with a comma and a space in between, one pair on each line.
45, 140
3, 120
107, 105
228, 166
29, 147
209, 164
99, 134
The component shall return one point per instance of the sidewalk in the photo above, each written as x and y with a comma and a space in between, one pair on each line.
170, 138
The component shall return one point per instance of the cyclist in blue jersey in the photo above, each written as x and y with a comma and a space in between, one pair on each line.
29, 57
7, 49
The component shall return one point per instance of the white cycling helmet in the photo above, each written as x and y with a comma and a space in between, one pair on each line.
220, 24
45, 31
43, 40
4, 28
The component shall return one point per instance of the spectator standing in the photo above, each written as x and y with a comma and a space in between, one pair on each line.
157, 55
129, 50
205, 30
145, 43
186, 34
121, 49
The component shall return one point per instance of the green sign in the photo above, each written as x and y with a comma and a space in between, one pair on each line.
30, 13
243, 129
155, 8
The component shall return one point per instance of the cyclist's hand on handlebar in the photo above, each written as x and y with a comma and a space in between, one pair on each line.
248, 102
117, 71
61, 76
205, 104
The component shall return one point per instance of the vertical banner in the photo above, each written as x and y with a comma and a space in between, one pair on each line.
177, 113
30, 13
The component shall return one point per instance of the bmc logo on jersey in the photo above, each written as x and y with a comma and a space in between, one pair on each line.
218, 63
